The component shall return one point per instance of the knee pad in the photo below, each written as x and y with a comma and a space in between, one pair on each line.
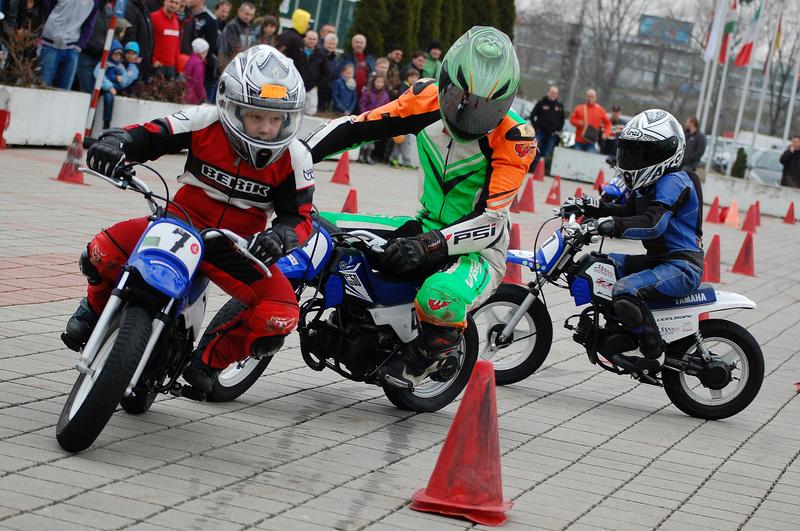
272, 318
88, 269
437, 307
629, 310
437, 341
106, 257
267, 346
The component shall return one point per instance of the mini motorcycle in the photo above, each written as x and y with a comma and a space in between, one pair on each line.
713, 367
355, 320
144, 337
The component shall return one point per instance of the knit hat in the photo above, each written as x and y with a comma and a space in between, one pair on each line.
199, 46
116, 46
133, 46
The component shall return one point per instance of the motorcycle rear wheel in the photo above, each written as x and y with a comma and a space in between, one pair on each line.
730, 343
432, 395
95, 396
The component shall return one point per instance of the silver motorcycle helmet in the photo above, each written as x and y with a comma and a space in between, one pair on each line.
649, 146
260, 79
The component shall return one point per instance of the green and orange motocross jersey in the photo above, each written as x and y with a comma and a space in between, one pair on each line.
468, 187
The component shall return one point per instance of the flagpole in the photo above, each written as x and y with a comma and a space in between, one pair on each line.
748, 75
718, 106
790, 110
702, 94
764, 83
723, 5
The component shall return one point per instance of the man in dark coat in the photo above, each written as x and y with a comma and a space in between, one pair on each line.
290, 41
791, 164
695, 144
141, 31
547, 118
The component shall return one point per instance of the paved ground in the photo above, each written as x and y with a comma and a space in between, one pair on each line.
581, 449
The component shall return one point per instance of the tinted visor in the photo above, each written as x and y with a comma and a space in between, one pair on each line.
638, 154
468, 116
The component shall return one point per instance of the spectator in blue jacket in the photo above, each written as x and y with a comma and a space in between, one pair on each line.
118, 76
363, 63
343, 91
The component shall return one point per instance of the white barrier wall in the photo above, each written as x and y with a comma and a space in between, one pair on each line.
43, 117
774, 200
578, 165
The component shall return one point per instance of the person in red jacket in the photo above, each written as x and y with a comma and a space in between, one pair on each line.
244, 164
166, 38
591, 123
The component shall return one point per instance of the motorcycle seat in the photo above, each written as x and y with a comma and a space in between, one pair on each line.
704, 294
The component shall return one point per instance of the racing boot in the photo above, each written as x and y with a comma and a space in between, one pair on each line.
636, 316
434, 353
80, 326
200, 375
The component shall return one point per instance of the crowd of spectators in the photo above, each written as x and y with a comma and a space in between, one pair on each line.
186, 40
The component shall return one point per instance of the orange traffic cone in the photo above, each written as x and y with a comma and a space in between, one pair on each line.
513, 271
579, 192
554, 195
341, 175
744, 264
526, 203
750, 222
5, 120
69, 169
758, 213
713, 212
351, 202
467, 481
514, 208
789, 218
600, 182
797, 387
538, 173
732, 217
711, 262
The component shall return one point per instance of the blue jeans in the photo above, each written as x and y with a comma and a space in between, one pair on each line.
108, 107
86, 64
588, 148
639, 276
547, 143
58, 66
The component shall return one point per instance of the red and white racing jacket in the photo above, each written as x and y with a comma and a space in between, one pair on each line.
221, 190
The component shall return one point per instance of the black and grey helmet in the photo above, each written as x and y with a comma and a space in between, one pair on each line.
649, 146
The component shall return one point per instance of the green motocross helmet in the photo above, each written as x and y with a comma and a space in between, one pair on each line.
477, 83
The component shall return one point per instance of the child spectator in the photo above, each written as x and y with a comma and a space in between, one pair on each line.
117, 77
343, 91
132, 62
194, 72
374, 96
403, 148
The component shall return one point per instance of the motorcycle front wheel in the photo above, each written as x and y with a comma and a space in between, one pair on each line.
731, 344
432, 395
97, 393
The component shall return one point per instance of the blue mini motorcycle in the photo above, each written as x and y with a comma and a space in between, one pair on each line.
713, 367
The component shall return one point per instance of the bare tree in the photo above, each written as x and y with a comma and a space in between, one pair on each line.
780, 81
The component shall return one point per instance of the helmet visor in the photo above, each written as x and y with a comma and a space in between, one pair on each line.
638, 154
261, 126
468, 116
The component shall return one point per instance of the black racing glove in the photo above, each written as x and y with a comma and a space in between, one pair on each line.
602, 226
405, 254
107, 154
266, 246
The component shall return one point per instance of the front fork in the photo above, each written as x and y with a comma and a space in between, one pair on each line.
502, 340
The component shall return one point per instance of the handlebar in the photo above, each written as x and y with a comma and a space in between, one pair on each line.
123, 184
240, 243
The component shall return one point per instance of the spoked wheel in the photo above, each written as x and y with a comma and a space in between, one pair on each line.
237, 377
728, 383
431, 395
95, 395
527, 348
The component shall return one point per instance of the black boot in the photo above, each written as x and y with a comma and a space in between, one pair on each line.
636, 315
80, 326
434, 353
200, 376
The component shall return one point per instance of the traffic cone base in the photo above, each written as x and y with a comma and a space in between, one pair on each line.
341, 175
744, 264
351, 202
789, 218
713, 215
466, 480
69, 172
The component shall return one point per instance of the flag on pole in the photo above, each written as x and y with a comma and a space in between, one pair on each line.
775, 45
745, 51
727, 31
715, 35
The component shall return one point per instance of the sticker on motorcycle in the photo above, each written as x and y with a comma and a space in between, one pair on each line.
173, 239
603, 279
